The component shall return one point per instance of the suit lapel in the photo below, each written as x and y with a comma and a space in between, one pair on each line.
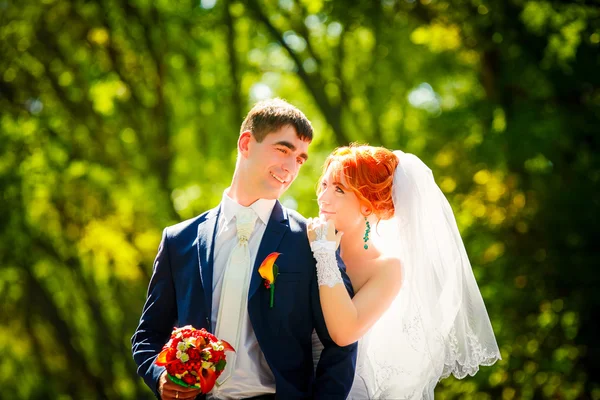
207, 231
276, 228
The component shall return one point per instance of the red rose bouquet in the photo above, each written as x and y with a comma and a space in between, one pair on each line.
194, 358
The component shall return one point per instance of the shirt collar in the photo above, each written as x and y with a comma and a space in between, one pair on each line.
262, 207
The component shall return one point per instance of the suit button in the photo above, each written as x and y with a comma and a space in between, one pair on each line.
207, 321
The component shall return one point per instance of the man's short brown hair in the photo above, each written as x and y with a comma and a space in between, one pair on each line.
271, 115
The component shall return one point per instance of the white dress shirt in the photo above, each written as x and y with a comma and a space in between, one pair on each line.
252, 375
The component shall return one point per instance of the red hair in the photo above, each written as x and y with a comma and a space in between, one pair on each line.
369, 172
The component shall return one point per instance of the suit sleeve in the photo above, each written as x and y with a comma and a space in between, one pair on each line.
158, 317
335, 371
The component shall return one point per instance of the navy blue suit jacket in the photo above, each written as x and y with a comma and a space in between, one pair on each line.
180, 293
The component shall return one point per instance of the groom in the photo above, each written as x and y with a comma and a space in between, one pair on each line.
196, 282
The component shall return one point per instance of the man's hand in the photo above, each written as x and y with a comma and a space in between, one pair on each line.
319, 229
170, 390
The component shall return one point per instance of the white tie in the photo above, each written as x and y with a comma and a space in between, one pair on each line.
234, 292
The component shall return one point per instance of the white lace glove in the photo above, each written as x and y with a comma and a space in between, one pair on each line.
323, 243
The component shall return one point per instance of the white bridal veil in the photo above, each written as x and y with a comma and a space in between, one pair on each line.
438, 324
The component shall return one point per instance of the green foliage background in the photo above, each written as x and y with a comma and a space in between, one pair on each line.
118, 118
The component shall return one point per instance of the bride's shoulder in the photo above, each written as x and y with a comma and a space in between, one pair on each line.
389, 261
390, 266
387, 276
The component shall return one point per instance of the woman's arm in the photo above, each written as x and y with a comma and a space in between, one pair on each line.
349, 319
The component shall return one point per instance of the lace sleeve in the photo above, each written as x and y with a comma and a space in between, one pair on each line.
328, 273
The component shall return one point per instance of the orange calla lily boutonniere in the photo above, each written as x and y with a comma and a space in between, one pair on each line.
268, 270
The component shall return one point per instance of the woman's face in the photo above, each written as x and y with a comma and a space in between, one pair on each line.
338, 203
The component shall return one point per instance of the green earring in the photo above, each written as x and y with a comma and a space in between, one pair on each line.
367, 231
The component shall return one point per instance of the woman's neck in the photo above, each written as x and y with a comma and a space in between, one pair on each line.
352, 247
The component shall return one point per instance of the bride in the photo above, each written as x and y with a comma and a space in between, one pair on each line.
417, 309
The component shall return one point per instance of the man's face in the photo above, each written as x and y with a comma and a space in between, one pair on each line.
272, 165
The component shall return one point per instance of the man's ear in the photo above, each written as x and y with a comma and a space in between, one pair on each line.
244, 142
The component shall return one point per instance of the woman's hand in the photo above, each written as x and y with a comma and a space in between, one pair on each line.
323, 243
321, 230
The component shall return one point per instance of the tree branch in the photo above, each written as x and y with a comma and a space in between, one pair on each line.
331, 113
233, 63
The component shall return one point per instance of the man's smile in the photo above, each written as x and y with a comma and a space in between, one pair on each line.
278, 178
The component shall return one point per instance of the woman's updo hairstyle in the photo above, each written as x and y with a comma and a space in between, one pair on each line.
369, 172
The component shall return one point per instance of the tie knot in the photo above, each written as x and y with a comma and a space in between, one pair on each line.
244, 221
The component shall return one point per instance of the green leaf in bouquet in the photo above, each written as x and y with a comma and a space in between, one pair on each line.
182, 383
220, 366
